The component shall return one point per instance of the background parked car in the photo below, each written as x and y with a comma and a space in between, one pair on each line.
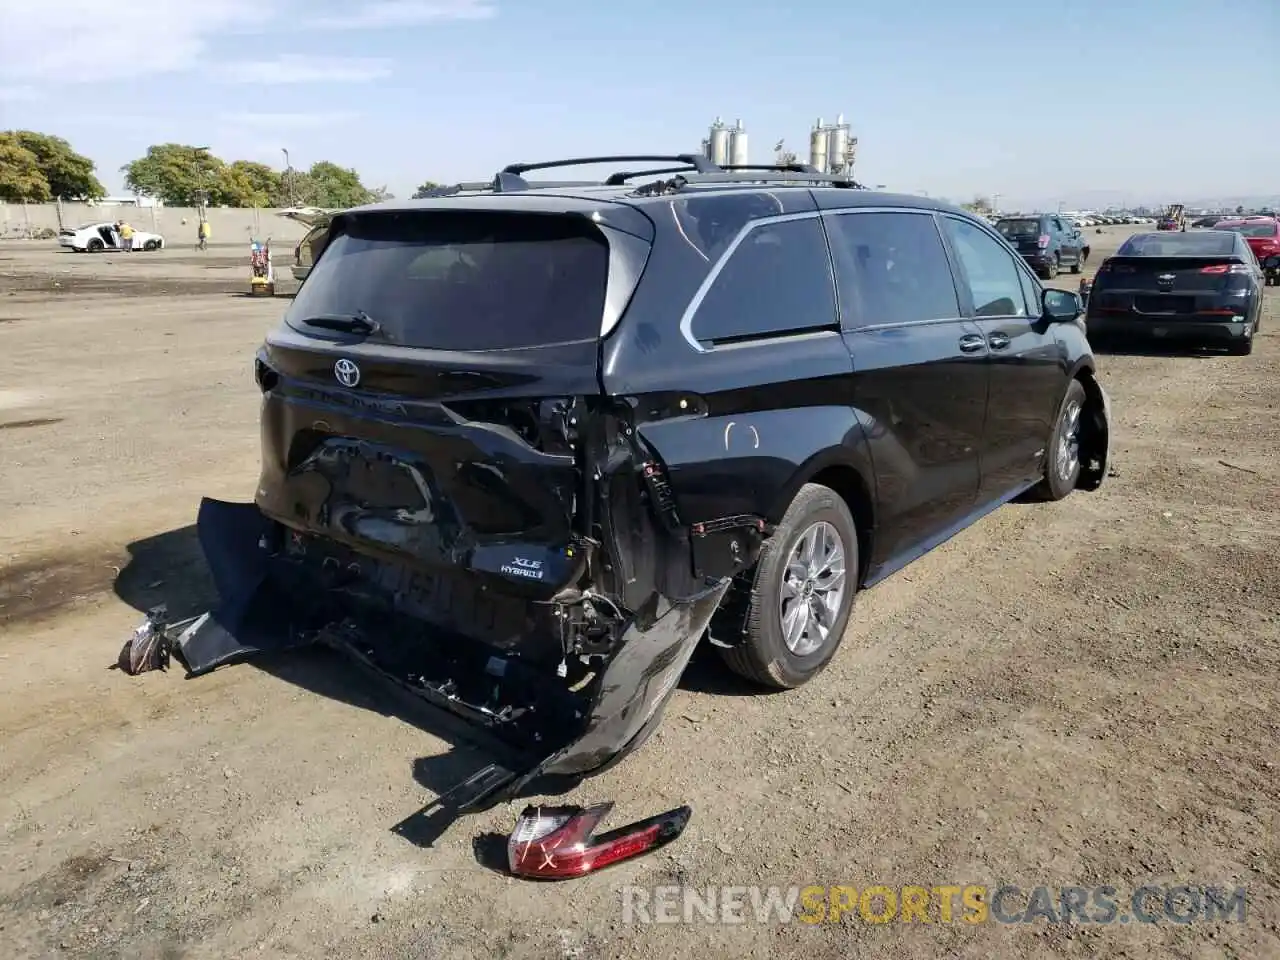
1046, 241
97, 237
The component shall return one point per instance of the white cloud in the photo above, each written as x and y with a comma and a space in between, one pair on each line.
294, 68
287, 121
70, 41
404, 13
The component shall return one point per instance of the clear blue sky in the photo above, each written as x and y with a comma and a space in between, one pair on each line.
1150, 100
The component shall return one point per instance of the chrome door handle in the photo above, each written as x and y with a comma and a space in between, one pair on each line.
998, 341
971, 343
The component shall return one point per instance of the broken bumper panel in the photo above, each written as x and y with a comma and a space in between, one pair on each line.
571, 722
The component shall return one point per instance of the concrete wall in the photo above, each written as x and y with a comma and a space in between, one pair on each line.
228, 225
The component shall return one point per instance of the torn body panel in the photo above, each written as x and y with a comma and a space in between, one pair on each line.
536, 589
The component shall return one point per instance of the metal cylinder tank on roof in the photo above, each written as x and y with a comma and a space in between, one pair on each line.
818, 147
719, 142
738, 145
838, 145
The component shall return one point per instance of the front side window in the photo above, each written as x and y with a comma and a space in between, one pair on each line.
777, 281
1033, 293
891, 268
990, 273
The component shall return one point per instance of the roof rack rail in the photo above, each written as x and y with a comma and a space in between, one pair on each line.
694, 160
622, 176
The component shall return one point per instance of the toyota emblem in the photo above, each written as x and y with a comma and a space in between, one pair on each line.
346, 372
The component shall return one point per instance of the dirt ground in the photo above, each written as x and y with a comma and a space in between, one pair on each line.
1079, 693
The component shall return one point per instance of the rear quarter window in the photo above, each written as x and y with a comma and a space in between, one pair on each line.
776, 281
461, 280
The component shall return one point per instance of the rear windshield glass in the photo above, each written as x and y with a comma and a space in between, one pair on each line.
1207, 244
461, 280
1018, 228
1261, 229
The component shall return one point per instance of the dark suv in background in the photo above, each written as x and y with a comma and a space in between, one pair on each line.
1046, 241
524, 446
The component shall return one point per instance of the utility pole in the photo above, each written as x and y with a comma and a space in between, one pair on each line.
202, 199
288, 177
995, 203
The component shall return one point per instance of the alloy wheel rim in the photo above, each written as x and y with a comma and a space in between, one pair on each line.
812, 590
1069, 442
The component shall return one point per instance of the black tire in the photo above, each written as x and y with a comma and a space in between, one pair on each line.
763, 656
1056, 486
151, 245
95, 246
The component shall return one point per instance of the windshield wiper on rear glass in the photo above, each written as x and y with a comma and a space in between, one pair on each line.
359, 322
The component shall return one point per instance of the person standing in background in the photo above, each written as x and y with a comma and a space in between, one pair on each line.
126, 236
202, 234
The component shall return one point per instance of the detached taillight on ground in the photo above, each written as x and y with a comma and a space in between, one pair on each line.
556, 843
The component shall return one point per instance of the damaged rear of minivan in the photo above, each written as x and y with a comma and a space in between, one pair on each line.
447, 493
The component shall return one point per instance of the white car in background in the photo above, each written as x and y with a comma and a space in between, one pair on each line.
97, 237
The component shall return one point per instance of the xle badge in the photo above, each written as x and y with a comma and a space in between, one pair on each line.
520, 567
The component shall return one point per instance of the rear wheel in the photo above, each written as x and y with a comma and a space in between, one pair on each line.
1062, 461
802, 595
151, 245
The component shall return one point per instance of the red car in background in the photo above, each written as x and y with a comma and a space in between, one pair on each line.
1263, 236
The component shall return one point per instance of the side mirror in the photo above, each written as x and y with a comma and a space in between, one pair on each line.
1062, 306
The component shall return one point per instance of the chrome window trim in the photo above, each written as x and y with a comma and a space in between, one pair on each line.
623, 276
690, 312
686, 320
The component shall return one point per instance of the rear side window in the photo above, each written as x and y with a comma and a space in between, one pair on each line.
777, 281
461, 280
992, 276
891, 268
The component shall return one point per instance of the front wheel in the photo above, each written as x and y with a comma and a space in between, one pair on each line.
95, 246
1062, 461
803, 593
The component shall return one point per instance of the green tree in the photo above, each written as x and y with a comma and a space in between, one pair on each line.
245, 184
177, 174
69, 174
424, 189
21, 178
330, 185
